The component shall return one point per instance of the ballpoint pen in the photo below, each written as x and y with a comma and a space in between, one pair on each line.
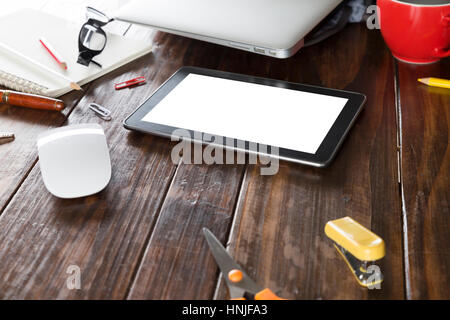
30, 100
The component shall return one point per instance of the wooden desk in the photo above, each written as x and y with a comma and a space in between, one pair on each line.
141, 237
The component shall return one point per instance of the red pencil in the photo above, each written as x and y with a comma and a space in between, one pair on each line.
55, 55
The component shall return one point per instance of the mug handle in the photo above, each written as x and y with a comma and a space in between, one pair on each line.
443, 53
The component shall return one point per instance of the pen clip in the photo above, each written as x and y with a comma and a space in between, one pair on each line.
100, 111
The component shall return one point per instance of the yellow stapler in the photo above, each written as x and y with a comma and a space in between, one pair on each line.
358, 246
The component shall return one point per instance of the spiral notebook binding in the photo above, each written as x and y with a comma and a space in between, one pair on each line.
20, 84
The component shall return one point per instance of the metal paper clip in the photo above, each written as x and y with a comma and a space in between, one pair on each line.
358, 246
100, 111
6, 137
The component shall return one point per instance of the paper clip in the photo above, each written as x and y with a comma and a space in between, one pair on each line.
100, 111
132, 82
358, 246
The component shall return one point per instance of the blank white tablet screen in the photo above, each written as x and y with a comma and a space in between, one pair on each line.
267, 115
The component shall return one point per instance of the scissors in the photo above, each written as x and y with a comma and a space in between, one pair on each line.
240, 285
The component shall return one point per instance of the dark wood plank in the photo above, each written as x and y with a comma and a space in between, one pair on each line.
278, 235
103, 234
177, 263
425, 167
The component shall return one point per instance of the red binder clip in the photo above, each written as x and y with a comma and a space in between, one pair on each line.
133, 82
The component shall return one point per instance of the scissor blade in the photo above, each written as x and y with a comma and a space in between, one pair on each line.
226, 264
223, 259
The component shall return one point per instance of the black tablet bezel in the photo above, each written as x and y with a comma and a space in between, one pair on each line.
321, 158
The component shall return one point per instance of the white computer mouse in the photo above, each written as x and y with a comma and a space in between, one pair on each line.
74, 160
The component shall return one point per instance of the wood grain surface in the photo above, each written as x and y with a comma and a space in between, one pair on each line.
102, 234
141, 238
425, 164
279, 231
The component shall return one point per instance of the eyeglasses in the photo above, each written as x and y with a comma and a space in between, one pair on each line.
92, 38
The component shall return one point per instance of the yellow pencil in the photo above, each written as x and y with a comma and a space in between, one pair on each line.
435, 82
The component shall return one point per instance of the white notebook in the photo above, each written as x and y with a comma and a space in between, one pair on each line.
21, 30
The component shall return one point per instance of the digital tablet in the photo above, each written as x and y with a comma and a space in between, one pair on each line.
290, 121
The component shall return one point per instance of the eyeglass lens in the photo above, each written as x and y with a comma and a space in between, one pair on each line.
92, 38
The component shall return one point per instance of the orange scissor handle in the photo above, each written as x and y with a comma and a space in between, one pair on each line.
236, 276
267, 294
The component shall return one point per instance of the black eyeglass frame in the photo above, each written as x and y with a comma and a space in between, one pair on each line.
86, 54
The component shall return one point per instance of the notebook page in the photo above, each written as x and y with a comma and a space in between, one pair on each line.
26, 26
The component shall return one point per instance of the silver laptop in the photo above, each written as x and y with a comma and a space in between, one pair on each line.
274, 28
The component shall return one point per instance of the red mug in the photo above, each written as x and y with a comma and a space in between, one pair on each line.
416, 31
